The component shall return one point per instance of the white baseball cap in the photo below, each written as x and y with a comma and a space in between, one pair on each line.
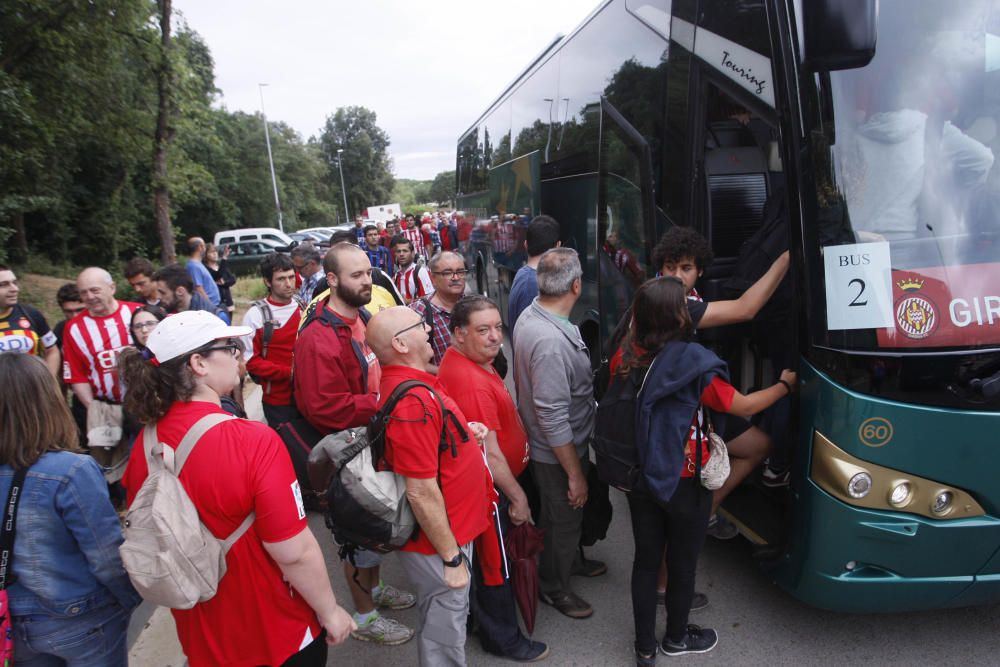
185, 332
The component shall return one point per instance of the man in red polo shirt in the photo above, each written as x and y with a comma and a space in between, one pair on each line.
467, 373
449, 491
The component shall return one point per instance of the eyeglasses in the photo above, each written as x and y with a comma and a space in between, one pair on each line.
145, 325
233, 347
449, 274
421, 323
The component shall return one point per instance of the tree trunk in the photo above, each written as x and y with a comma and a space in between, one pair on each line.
164, 133
19, 241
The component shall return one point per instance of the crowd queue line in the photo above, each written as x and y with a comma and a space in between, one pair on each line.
336, 333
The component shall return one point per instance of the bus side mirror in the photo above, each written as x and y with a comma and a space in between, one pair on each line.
839, 34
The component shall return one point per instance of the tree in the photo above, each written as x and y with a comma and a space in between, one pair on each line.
366, 163
443, 187
161, 141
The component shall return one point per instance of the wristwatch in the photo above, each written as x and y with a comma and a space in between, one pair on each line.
454, 562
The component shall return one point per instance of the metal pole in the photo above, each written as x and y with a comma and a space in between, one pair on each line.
270, 159
343, 190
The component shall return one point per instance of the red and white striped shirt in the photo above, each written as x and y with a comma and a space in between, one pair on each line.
414, 282
90, 349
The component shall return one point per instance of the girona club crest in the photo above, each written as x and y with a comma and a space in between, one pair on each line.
916, 315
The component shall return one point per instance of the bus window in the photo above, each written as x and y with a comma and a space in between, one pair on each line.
625, 215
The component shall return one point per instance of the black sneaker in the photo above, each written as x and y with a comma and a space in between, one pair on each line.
645, 659
696, 640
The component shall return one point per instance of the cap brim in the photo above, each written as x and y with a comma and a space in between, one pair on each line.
234, 332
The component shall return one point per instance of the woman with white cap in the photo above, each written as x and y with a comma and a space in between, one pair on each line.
275, 604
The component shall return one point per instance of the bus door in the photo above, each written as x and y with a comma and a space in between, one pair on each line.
625, 218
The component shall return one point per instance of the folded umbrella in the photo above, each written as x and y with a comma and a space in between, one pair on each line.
524, 543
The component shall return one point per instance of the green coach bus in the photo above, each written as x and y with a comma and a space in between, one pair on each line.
868, 131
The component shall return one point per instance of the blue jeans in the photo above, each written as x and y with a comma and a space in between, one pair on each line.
94, 639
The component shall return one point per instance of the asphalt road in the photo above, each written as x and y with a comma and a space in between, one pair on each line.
758, 624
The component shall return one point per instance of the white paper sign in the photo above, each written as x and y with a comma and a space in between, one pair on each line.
858, 286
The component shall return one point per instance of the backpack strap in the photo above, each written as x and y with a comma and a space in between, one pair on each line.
191, 438
173, 460
268, 316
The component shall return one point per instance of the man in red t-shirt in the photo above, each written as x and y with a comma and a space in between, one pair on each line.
467, 373
449, 490
335, 378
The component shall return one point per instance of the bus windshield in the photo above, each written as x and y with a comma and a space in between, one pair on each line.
909, 185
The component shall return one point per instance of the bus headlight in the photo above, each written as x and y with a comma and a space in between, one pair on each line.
900, 495
942, 503
860, 485
866, 484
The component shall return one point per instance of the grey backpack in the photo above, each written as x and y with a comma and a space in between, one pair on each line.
172, 559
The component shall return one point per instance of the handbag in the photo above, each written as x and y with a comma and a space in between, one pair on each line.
7, 564
715, 471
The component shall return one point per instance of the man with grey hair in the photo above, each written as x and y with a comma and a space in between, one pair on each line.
308, 263
448, 278
556, 403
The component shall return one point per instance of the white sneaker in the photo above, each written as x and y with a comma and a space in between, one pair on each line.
383, 630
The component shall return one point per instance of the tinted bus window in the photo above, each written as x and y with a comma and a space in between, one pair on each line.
496, 138
533, 108
739, 21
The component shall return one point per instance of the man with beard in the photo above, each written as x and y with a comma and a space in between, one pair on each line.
177, 293
335, 378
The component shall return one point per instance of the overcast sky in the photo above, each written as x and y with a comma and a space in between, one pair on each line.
428, 69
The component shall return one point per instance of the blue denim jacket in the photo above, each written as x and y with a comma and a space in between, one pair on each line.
66, 558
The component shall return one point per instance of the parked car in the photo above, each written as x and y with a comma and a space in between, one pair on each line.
244, 256
229, 236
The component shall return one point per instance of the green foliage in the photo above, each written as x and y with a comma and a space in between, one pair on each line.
367, 166
5, 234
442, 189
78, 105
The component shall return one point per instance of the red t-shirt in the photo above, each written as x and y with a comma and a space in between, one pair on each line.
483, 397
91, 346
411, 448
358, 334
239, 466
718, 396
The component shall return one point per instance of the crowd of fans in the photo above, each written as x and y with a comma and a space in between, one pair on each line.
334, 336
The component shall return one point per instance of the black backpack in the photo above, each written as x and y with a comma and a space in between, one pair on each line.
614, 431
361, 511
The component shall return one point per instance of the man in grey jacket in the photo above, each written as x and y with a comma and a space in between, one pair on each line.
556, 403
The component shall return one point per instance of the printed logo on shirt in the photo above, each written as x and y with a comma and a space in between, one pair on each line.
106, 359
24, 323
17, 343
297, 494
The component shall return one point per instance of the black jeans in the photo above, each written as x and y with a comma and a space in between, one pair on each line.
276, 415
680, 526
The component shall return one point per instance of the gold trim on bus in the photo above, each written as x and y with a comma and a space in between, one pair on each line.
836, 471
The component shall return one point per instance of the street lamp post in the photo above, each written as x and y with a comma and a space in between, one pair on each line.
270, 159
343, 190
